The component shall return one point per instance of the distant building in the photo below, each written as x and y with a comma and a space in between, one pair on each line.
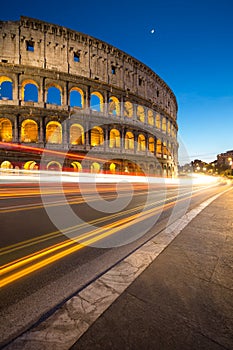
225, 159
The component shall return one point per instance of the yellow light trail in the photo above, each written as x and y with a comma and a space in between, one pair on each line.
107, 231
87, 238
69, 230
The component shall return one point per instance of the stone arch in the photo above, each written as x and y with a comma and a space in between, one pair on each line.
165, 150
6, 88
129, 140
95, 167
30, 165
54, 94
54, 132
151, 144
77, 166
112, 168
76, 97
141, 113
6, 165
29, 90
164, 124
168, 127
54, 165
159, 148
29, 131
6, 134
97, 136
158, 121
150, 117
76, 134
128, 109
114, 106
114, 138
141, 143
96, 101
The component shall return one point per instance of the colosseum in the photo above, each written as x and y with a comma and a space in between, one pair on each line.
65, 92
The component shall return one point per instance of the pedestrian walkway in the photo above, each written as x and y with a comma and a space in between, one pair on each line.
184, 299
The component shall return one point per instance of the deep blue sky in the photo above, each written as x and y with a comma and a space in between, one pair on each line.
191, 49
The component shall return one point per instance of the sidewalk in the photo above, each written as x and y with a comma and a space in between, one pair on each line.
184, 299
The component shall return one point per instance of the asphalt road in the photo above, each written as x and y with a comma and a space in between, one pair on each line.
56, 240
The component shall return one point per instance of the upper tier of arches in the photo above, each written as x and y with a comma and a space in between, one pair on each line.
33, 43
53, 94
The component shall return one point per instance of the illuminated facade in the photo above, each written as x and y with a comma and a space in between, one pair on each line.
67, 91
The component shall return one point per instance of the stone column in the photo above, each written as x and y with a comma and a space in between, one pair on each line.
106, 138
41, 91
122, 139
122, 107
15, 94
16, 129
135, 141
65, 134
41, 131
64, 99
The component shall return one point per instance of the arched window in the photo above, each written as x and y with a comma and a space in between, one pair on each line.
6, 165
29, 91
129, 140
95, 167
168, 127
31, 165
77, 166
97, 136
114, 106
54, 132
169, 150
76, 97
114, 139
112, 168
6, 88
128, 109
76, 134
55, 166
141, 143
96, 102
165, 150
150, 117
164, 124
159, 148
5, 130
141, 113
151, 144
29, 131
54, 95
158, 122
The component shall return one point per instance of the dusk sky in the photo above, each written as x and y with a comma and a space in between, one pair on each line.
191, 49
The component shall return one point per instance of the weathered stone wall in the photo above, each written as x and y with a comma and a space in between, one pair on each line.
99, 67
54, 49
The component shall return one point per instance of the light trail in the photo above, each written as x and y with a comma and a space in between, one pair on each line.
86, 239
69, 230
98, 234
79, 156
